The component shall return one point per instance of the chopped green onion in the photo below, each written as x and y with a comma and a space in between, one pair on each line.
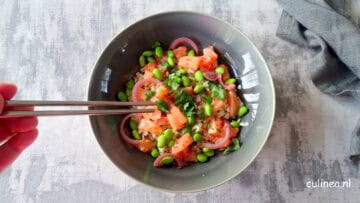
149, 94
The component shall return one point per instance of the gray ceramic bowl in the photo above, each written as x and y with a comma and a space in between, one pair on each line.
119, 62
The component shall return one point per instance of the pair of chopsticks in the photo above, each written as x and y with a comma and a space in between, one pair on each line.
21, 113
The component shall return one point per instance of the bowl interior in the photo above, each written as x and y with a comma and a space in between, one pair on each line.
119, 62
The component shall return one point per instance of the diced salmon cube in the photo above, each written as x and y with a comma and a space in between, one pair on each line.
176, 118
149, 126
182, 143
180, 52
191, 63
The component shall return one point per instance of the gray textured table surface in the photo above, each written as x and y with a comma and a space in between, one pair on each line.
49, 47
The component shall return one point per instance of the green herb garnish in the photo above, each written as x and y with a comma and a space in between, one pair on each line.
233, 147
163, 106
217, 91
186, 102
148, 95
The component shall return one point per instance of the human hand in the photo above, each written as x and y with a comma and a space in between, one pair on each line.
16, 134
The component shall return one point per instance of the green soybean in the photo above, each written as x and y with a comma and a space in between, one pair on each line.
170, 54
220, 70
147, 53
198, 88
199, 76
158, 51
168, 133
242, 111
136, 135
142, 60
157, 74
133, 124
201, 158
128, 92
191, 53
235, 124
197, 137
154, 152
121, 96
171, 61
162, 141
230, 81
166, 160
182, 71
186, 81
171, 143
130, 84
150, 59
208, 152
208, 109
191, 120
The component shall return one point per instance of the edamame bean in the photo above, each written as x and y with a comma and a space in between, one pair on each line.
154, 152
128, 92
201, 158
242, 111
130, 84
182, 71
235, 124
148, 53
171, 143
220, 70
197, 137
168, 133
208, 152
171, 61
166, 160
158, 51
170, 54
191, 53
142, 60
136, 135
191, 120
198, 88
133, 124
230, 81
208, 109
150, 59
121, 96
161, 142
199, 76
186, 81
157, 74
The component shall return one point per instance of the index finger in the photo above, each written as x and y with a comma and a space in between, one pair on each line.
7, 90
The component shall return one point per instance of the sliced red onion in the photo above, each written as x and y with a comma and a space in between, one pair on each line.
140, 84
184, 40
124, 133
157, 162
221, 142
209, 75
227, 87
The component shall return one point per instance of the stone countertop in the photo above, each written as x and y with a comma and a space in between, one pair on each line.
49, 47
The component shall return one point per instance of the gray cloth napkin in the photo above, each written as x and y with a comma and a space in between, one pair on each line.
331, 29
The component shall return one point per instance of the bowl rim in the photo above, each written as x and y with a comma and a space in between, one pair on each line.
92, 78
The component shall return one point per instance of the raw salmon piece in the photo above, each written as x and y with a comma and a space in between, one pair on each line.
149, 126
180, 52
182, 144
191, 63
233, 102
176, 118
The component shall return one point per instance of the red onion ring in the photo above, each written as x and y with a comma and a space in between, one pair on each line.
124, 134
209, 75
157, 162
139, 84
220, 143
227, 87
184, 40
